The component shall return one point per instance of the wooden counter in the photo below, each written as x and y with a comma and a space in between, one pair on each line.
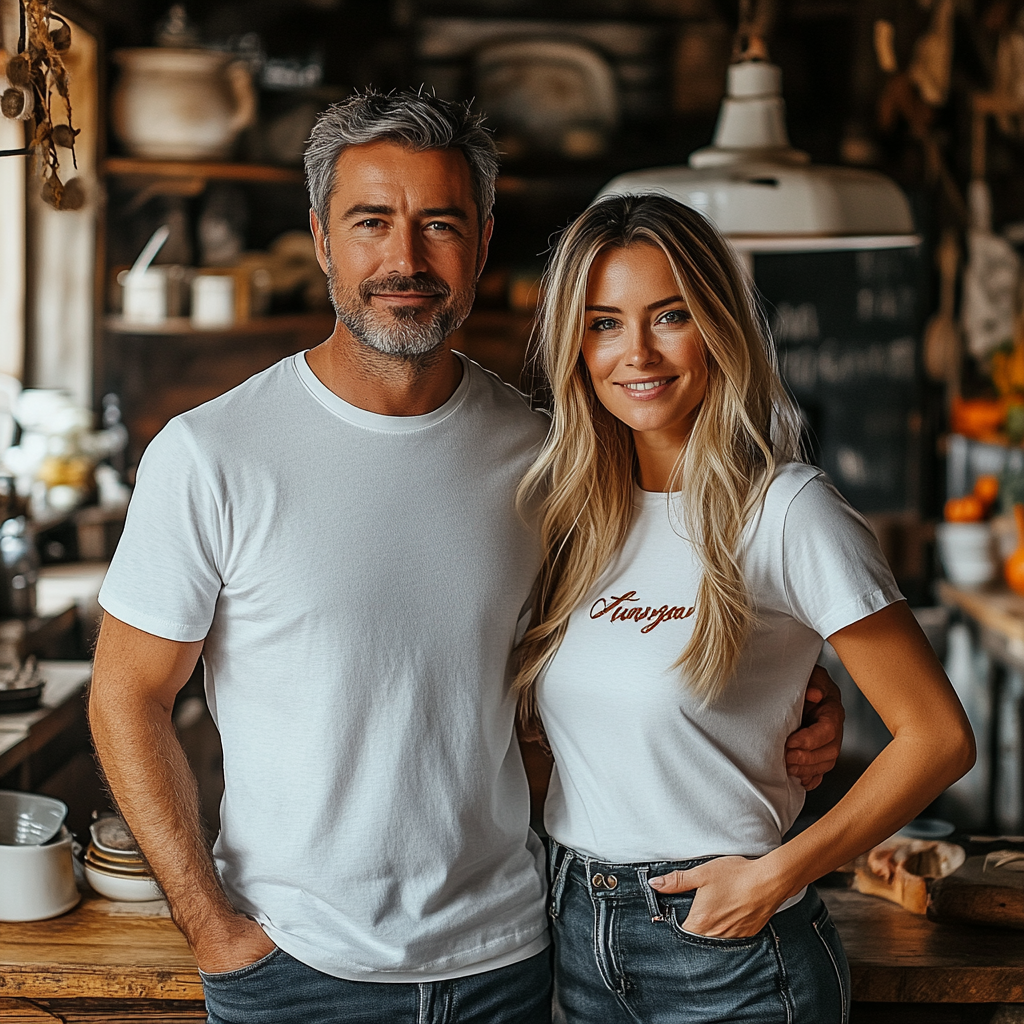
899, 957
994, 607
102, 961
127, 962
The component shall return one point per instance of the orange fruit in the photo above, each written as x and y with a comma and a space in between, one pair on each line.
969, 509
1014, 571
986, 488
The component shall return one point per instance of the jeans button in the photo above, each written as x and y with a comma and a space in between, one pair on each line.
597, 881
611, 881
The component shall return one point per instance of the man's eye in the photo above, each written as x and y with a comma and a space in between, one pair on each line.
440, 225
370, 222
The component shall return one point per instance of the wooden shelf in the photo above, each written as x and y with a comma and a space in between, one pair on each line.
133, 167
181, 326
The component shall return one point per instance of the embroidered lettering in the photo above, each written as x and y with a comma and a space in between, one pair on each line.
615, 608
602, 605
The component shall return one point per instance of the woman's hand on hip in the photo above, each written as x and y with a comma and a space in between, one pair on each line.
734, 898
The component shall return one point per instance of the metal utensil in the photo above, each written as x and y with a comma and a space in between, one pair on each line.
149, 251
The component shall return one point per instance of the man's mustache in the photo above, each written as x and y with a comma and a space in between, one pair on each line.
421, 284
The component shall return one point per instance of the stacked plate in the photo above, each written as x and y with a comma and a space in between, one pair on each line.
114, 866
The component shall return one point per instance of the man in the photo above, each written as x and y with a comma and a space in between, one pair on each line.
338, 538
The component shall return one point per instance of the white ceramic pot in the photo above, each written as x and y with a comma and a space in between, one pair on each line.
967, 552
37, 882
181, 104
213, 300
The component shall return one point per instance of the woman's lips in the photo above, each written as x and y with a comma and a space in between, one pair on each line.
645, 390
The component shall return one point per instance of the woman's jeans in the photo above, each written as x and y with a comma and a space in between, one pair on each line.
280, 990
622, 955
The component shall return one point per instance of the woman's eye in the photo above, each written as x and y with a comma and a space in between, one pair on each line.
605, 323
675, 316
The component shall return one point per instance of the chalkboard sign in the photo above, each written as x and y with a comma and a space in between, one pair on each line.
846, 326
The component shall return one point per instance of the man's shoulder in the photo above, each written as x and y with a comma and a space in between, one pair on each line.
513, 405
255, 400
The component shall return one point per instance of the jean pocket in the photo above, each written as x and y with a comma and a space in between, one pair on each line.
722, 942
243, 971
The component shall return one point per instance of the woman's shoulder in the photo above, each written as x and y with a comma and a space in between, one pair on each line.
801, 498
790, 480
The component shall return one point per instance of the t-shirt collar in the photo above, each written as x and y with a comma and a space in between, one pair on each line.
372, 420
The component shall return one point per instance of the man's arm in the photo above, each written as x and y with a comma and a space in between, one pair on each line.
814, 748
136, 677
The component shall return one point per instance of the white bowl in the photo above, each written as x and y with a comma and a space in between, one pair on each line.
118, 887
967, 553
28, 819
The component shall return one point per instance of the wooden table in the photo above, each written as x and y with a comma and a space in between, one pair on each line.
899, 957
102, 961
127, 962
997, 610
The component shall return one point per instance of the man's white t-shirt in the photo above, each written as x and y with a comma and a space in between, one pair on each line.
358, 579
642, 771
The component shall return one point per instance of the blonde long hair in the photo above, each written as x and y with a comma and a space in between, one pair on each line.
584, 477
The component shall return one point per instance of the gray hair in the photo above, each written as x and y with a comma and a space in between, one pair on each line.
414, 119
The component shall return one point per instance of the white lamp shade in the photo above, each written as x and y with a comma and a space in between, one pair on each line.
765, 195
763, 199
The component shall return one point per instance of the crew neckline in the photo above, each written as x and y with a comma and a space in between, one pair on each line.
654, 499
374, 420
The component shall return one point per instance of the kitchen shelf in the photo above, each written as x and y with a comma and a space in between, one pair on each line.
179, 326
133, 167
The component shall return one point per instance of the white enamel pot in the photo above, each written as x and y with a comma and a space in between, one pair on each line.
37, 882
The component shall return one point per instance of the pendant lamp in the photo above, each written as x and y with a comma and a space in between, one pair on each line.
766, 196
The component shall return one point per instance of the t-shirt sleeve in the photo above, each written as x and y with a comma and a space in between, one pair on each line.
164, 577
835, 572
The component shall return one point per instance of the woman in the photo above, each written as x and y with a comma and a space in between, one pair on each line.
693, 567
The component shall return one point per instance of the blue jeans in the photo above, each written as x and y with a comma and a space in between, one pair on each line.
280, 990
622, 956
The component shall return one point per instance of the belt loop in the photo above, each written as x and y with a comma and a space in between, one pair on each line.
650, 896
562, 875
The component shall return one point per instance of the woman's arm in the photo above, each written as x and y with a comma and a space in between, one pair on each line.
892, 662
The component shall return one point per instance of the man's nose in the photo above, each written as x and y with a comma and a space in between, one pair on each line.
405, 254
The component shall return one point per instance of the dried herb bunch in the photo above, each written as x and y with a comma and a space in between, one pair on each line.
33, 74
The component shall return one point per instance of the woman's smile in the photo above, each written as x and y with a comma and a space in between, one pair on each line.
645, 390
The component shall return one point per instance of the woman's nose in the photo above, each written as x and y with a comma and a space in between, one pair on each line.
640, 351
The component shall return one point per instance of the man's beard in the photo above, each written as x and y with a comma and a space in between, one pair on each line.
404, 332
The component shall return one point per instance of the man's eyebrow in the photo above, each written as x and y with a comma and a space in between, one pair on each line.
445, 211
366, 208
431, 211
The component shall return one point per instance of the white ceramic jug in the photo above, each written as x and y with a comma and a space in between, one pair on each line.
181, 104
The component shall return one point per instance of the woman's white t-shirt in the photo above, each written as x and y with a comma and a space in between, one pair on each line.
642, 771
